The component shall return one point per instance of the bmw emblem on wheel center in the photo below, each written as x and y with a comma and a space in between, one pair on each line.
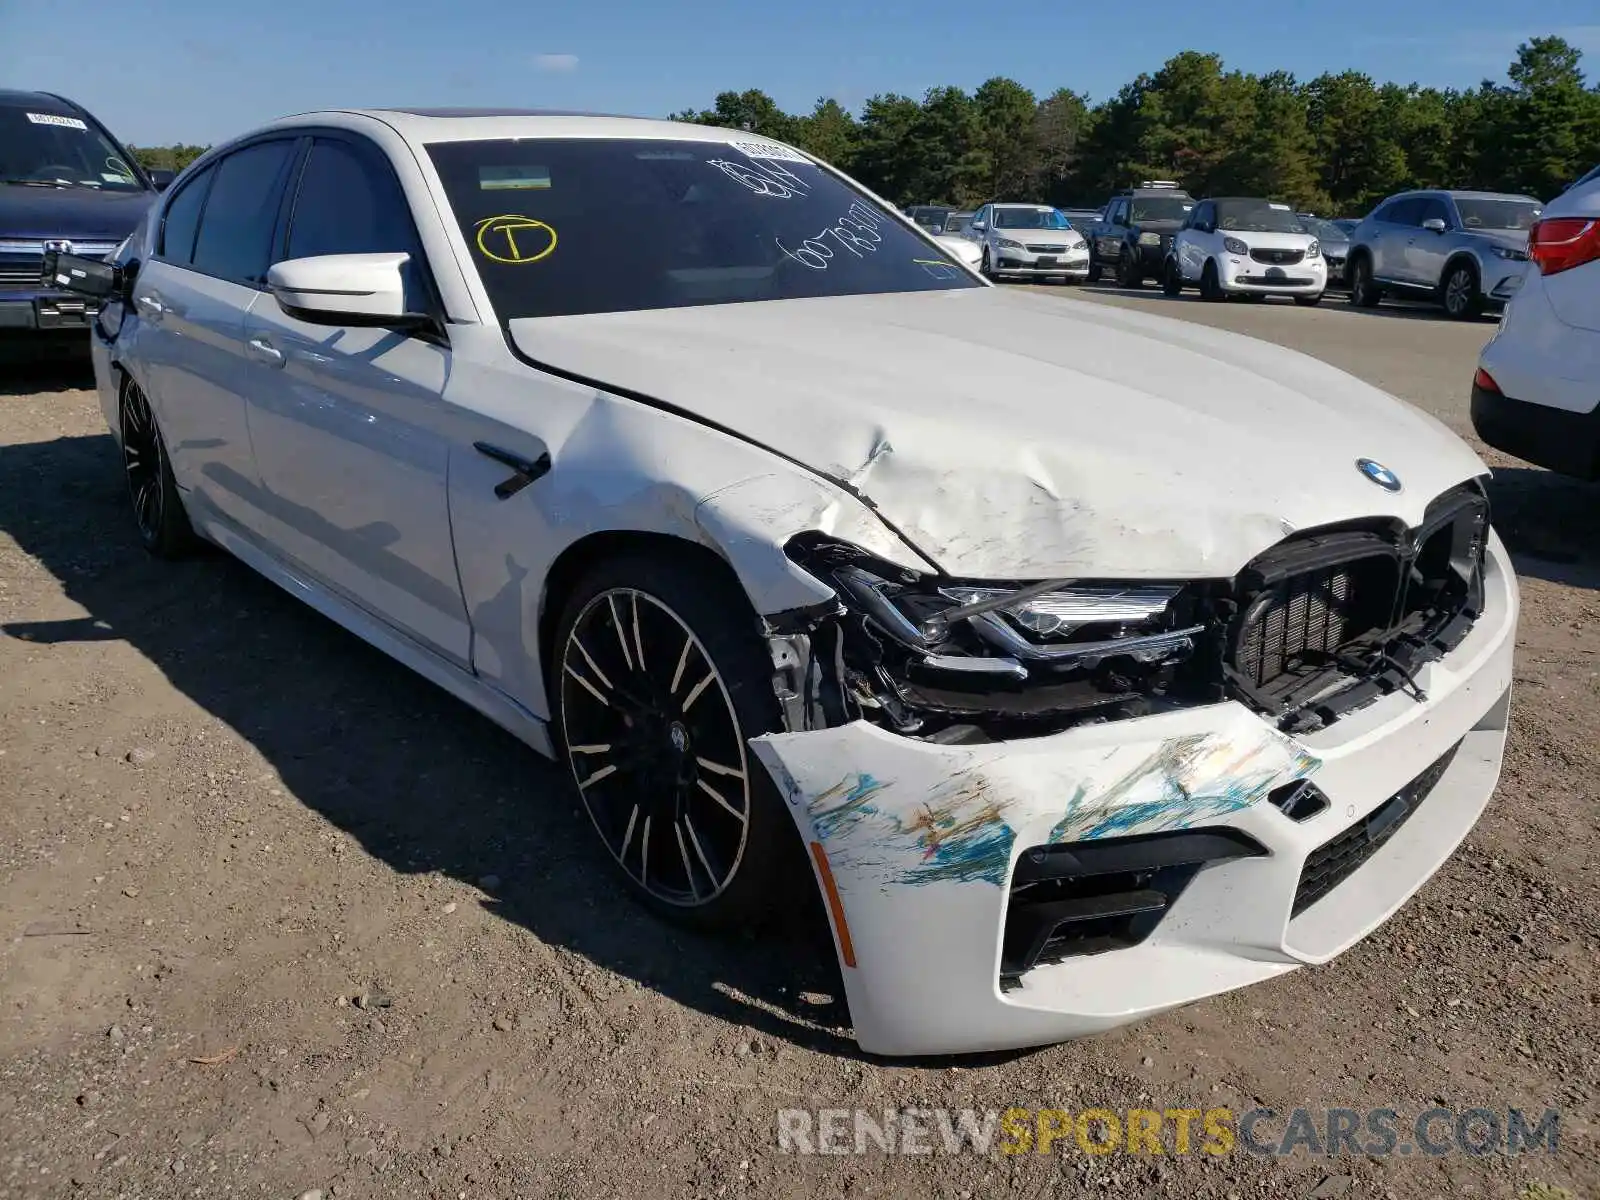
1379, 474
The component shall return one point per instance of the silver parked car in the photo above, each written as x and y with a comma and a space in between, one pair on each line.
1467, 250
1335, 241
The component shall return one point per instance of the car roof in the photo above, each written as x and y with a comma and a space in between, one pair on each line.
1466, 194
41, 101
424, 125
1018, 204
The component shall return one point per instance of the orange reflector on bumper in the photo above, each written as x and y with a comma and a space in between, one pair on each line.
847, 951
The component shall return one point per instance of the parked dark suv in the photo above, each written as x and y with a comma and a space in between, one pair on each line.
65, 183
1135, 235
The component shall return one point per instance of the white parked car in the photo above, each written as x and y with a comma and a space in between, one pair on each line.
1019, 240
1537, 390
825, 568
1245, 246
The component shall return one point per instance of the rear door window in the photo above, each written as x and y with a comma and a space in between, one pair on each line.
241, 213
182, 218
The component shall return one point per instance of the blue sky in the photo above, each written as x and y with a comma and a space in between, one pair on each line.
201, 70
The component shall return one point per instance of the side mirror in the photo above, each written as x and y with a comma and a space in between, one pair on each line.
344, 289
978, 226
960, 248
1434, 225
161, 178
93, 277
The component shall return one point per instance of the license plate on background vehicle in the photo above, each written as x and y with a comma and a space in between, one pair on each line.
1275, 273
1046, 261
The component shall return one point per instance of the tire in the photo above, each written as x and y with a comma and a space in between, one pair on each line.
1459, 292
1309, 301
158, 514
658, 678
1095, 269
1129, 274
1210, 284
1364, 293
985, 267
1171, 279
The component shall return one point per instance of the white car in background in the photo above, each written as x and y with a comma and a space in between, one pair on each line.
1077, 662
1018, 240
1536, 393
1239, 245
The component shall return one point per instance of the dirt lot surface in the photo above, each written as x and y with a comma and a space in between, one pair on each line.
277, 917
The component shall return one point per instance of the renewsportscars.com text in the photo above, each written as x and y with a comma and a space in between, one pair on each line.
1330, 1132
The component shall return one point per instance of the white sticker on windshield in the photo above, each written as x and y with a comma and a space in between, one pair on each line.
55, 119
769, 150
1279, 207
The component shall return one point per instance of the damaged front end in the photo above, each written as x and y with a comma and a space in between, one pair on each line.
1322, 624
956, 662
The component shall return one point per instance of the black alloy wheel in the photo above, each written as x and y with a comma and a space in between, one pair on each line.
660, 680
158, 511
1460, 292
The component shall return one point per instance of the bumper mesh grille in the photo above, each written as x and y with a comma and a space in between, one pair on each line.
1331, 863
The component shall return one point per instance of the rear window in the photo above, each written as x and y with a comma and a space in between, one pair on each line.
567, 226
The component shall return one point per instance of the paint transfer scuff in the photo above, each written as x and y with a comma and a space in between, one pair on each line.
904, 813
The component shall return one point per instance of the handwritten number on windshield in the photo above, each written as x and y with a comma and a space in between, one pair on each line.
855, 232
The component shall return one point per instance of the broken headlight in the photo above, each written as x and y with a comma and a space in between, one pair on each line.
920, 647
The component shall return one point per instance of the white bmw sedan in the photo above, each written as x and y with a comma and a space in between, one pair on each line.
1081, 663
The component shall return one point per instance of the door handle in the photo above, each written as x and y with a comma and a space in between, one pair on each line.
264, 351
526, 470
150, 306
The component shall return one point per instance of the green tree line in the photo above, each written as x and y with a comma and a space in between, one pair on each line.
166, 158
1334, 145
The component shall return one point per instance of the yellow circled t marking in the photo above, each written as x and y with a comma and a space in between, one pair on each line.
504, 229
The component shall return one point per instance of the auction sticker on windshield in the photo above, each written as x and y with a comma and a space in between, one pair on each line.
57, 119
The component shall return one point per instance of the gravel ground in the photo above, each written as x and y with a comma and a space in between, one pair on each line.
277, 917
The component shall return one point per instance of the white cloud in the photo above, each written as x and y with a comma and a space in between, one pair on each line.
555, 62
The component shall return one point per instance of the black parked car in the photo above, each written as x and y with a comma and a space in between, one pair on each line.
65, 184
1135, 235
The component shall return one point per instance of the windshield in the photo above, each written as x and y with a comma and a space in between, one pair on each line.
1326, 230
566, 226
1159, 208
1029, 218
1497, 214
1257, 216
49, 149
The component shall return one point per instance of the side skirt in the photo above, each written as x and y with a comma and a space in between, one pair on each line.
463, 685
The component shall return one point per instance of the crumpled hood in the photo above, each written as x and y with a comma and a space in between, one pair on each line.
1011, 435
41, 212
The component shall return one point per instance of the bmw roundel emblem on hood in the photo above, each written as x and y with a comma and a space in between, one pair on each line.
1379, 474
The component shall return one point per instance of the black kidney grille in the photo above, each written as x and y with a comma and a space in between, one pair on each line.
1295, 631
1279, 257
1307, 613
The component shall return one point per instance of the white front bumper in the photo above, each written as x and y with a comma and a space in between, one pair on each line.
1241, 273
921, 840
1074, 262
